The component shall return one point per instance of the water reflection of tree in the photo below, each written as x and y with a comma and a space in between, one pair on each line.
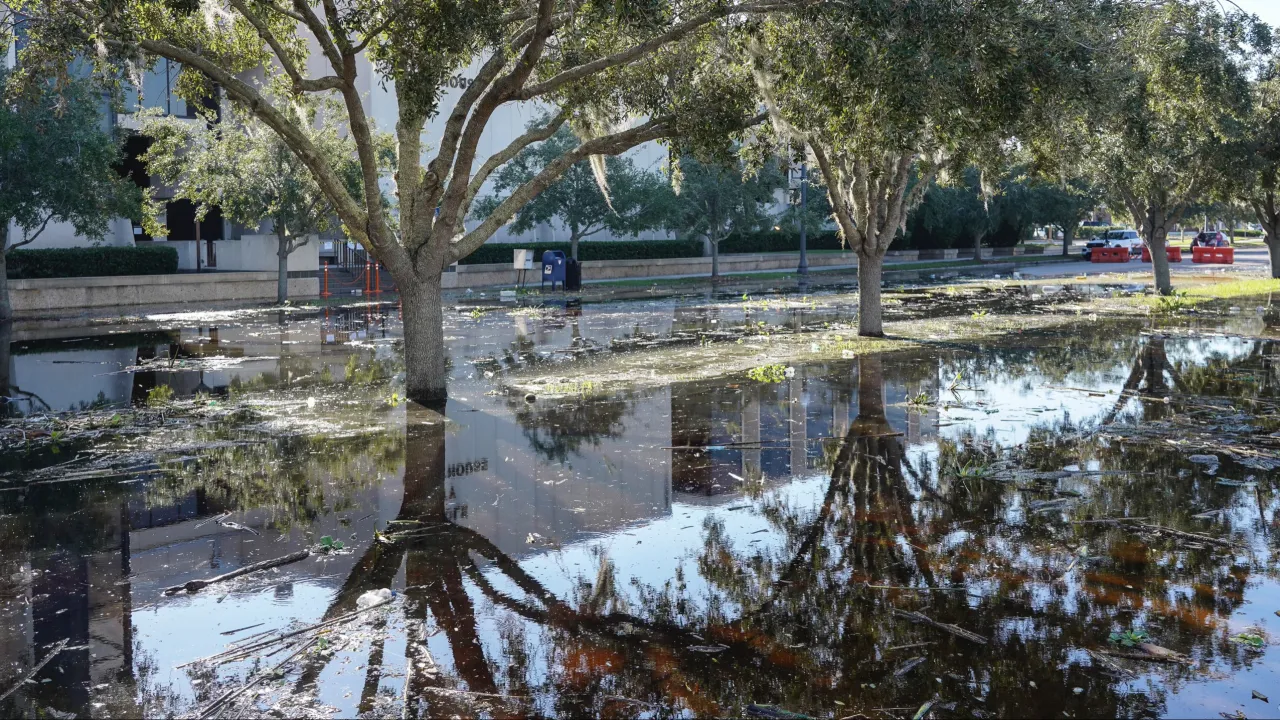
296, 478
801, 627
556, 427
810, 622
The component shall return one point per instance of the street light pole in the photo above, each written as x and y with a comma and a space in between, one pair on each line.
803, 269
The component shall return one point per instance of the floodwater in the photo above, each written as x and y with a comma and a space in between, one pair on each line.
710, 548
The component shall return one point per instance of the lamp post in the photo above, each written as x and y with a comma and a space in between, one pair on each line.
803, 269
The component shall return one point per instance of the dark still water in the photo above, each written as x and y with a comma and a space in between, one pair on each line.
1077, 523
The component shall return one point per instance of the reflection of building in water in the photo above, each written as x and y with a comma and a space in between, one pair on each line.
722, 434
558, 468
73, 373
88, 573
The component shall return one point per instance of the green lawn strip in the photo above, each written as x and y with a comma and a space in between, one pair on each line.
658, 367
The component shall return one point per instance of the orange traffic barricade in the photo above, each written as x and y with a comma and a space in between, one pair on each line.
1214, 255
1173, 253
1109, 255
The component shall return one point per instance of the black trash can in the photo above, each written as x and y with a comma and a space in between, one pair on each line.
572, 275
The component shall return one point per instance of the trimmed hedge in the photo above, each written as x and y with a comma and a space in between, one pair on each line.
758, 242
623, 250
91, 261
777, 241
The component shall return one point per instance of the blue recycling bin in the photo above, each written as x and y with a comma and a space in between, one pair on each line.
553, 268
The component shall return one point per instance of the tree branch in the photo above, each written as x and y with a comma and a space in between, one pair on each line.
510, 151
284, 11
501, 90
606, 145
300, 84
836, 194
321, 33
28, 238
352, 215
438, 168
625, 56
896, 211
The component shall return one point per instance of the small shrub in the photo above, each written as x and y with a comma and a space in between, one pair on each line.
768, 373
159, 395
1129, 638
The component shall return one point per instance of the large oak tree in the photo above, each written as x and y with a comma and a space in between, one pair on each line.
883, 95
1179, 96
622, 73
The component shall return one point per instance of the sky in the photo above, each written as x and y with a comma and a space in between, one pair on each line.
1267, 10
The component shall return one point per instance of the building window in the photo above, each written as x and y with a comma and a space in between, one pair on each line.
181, 220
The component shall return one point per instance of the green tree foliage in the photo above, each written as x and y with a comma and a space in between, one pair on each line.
717, 198
953, 214
56, 165
631, 200
243, 167
1179, 94
1065, 205
599, 64
883, 95
1258, 159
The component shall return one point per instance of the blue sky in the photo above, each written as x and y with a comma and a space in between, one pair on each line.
1268, 10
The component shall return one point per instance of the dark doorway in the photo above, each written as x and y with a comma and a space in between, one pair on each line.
132, 167
181, 220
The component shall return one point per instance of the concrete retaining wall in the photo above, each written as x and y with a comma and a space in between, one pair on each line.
53, 295
503, 274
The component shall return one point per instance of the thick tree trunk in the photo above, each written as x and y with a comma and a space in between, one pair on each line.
1273, 254
6, 309
573, 244
715, 258
1160, 260
870, 313
424, 350
977, 246
282, 277
1068, 234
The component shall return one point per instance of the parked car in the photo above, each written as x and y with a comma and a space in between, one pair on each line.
1211, 238
1129, 239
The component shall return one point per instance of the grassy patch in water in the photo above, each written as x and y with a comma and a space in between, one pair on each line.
1226, 289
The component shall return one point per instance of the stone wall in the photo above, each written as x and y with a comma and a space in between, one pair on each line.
502, 273
55, 295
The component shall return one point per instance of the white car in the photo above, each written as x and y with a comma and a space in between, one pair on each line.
1117, 239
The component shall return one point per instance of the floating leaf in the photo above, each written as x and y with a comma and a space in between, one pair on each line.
1129, 638
1253, 641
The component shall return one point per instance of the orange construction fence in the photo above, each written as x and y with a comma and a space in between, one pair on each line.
1109, 255
1214, 255
1173, 253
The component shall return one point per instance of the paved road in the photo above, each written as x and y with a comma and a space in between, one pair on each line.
1248, 260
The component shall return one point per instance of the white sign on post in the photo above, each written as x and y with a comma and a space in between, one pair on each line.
523, 260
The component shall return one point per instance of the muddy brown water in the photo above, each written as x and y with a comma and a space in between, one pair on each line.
726, 547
